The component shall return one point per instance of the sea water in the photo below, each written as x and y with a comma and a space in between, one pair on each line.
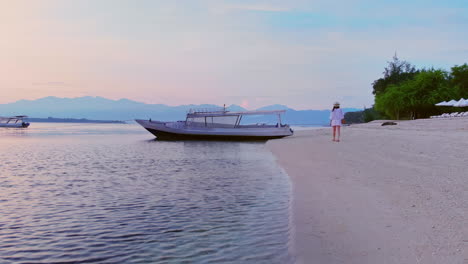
110, 193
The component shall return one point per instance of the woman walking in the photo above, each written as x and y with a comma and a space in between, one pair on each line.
336, 116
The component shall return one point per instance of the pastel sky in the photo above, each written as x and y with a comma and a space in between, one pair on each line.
304, 54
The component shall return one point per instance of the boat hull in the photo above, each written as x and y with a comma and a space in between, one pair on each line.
15, 125
165, 132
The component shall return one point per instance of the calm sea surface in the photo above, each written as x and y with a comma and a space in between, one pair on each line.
79, 193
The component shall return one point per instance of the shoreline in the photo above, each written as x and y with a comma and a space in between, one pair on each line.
391, 194
72, 120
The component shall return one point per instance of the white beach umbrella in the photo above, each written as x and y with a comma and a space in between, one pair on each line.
441, 103
451, 103
461, 103
447, 103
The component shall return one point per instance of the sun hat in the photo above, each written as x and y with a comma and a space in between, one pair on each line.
336, 104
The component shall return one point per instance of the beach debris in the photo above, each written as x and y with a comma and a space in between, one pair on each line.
389, 123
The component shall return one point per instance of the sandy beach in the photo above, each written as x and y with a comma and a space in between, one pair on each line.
384, 194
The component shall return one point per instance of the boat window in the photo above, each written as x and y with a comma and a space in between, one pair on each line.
260, 119
196, 121
224, 120
213, 121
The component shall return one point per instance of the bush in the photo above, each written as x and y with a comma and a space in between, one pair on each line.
364, 116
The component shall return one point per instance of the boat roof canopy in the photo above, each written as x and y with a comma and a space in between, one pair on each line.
228, 113
13, 117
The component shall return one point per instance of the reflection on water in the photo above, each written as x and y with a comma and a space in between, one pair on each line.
98, 194
54, 129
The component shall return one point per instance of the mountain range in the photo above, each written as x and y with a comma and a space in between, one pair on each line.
124, 109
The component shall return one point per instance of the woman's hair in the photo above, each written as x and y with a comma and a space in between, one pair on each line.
335, 107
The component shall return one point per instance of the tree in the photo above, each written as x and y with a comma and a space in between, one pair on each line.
416, 98
370, 114
366, 115
393, 102
395, 73
459, 80
405, 92
428, 88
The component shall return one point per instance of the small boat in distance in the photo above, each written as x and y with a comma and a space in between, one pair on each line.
218, 124
14, 121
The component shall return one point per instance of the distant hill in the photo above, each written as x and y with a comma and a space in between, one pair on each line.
70, 120
100, 108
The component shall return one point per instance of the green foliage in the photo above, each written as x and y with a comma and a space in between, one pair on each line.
459, 80
354, 117
417, 97
396, 72
366, 115
408, 93
393, 102
370, 114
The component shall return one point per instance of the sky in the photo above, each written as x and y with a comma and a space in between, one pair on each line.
304, 54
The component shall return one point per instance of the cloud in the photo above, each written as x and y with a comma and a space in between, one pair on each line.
305, 54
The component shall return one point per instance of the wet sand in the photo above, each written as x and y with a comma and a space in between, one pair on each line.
384, 194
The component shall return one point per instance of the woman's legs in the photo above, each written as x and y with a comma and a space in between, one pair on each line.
334, 133
338, 128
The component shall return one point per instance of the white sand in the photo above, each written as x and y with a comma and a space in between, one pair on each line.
393, 194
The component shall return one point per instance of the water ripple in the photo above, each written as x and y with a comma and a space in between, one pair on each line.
123, 199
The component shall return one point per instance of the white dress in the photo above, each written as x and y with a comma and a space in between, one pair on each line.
336, 116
